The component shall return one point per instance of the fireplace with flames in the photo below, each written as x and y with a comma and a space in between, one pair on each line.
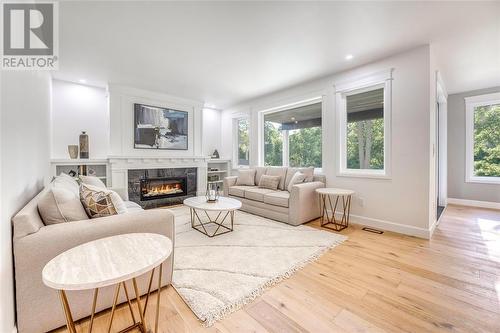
157, 188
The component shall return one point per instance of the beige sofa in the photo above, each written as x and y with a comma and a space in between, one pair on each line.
35, 244
296, 207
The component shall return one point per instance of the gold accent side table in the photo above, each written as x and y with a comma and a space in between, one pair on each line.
329, 206
110, 261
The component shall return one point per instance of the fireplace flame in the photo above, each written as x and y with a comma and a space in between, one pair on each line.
163, 189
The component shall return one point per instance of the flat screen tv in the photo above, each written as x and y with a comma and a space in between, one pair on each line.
160, 128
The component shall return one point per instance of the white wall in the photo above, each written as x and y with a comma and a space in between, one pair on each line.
25, 151
401, 203
211, 126
77, 108
121, 105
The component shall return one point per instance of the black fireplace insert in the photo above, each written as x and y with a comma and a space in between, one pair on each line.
165, 187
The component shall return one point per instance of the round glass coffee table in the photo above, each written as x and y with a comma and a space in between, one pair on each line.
105, 262
212, 218
328, 205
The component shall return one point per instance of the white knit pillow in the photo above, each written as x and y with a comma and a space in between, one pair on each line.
297, 178
92, 180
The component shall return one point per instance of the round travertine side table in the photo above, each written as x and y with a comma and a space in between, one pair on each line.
105, 262
329, 207
223, 209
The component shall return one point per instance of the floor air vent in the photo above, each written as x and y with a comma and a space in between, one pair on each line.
375, 231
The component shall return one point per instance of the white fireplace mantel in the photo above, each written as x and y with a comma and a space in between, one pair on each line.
119, 166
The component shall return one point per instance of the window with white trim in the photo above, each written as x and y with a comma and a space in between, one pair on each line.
293, 136
364, 118
483, 138
242, 147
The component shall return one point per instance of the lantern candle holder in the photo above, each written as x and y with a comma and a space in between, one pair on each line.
212, 194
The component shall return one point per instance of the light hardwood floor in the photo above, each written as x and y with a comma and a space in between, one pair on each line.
372, 283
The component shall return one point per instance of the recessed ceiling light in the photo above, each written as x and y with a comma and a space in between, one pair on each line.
349, 57
82, 81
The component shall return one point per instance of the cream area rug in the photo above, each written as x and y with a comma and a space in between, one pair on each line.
216, 276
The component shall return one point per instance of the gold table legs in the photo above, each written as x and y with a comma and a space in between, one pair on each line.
141, 324
198, 224
332, 222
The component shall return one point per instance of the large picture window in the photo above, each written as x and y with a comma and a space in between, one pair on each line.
365, 130
483, 138
364, 115
242, 127
293, 137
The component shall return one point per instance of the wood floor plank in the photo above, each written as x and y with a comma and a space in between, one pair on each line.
370, 283
272, 319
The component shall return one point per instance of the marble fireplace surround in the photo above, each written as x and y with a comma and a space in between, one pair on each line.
120, 166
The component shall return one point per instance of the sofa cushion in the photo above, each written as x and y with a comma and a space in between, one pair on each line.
269, 182
257, 194
278, 171
92, 180
60, 205
246, 177
259, 171
239, 191
278, 198
308, 172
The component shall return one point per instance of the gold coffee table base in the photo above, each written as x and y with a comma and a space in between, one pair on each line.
220, 219
332, 222
140, 324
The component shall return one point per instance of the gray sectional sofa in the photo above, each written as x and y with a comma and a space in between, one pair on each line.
35, 244
296, 207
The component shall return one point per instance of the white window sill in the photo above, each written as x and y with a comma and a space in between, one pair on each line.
376, 174
483, 180
238, 167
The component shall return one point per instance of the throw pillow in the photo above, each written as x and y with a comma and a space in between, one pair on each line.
259, 171
308, 172
246, 177
92, 180
269, 182
278, 171
60, 205
67, 182
297, 178
100, 202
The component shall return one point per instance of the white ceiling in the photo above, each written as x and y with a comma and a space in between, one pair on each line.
225, 53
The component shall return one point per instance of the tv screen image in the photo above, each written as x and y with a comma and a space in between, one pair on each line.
160, 128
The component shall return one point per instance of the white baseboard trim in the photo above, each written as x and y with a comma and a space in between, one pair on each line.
433, 227
390, 226
474, 203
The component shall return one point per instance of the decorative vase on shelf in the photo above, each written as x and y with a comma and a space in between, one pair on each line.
215, 154
84, 145
73, 151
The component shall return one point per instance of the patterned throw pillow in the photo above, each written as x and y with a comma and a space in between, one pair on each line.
269, 182
97, 203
